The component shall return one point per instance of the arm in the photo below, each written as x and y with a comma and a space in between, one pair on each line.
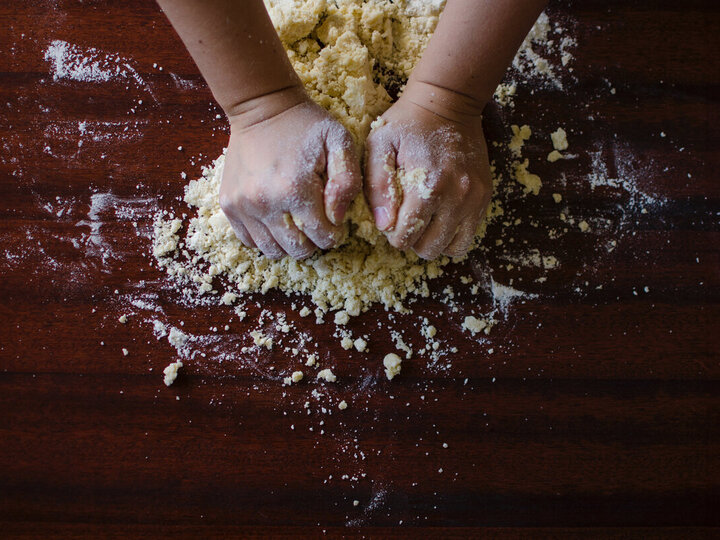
282, 145
436, 126
469, 53
238, 53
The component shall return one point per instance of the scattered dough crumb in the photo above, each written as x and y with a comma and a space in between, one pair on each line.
360, 344
532, 182
327, 375
228, 298
583, 225
171, 372
296, 377
123, 319
559, 139
342, 405
554, 156
342, 317
393, 365
475, 325
520, 135
557, 197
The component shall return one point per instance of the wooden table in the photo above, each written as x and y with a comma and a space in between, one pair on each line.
597, 407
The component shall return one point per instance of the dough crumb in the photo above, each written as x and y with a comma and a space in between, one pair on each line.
311, 359
393, 365
228, 298
123, 319
296, 377
342, 405
327, 375
557, 197
171, 371
177, 338
583, 225
530, 181
475, 325
559, 139
360, 345
554, 156
342, 317
520, 135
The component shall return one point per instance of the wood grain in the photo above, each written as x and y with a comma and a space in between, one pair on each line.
595, 410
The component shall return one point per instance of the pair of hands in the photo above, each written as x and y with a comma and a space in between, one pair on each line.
290, 177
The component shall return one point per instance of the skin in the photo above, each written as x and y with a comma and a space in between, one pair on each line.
291, 171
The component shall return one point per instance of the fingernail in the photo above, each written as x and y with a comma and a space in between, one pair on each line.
382, 217
340, 213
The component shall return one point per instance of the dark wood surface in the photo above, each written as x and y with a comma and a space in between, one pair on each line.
598, 407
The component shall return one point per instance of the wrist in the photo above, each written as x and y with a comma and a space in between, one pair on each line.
250, 112
445, 102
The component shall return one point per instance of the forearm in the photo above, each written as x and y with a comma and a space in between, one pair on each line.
236, 49
471, 49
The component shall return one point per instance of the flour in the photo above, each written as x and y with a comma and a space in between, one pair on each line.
70, 62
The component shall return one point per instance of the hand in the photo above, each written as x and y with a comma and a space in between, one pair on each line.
289, 178
440, 151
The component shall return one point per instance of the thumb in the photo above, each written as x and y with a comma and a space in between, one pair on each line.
380, 186
344, 178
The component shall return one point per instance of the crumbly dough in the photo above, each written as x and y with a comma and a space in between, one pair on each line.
353, 56
393, 365
296, 377
559, 139
326, 375
475, 325
171, 371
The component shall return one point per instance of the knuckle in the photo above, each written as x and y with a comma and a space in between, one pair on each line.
228, 204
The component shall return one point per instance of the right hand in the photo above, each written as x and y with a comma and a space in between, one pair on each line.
289, 179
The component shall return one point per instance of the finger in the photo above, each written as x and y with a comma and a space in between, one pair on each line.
264, 240
291, 239
439, 233
380, 188
344, 178
464, 237
413, 219
310, 218
241, 232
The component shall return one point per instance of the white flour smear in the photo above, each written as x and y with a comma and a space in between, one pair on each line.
90, 65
